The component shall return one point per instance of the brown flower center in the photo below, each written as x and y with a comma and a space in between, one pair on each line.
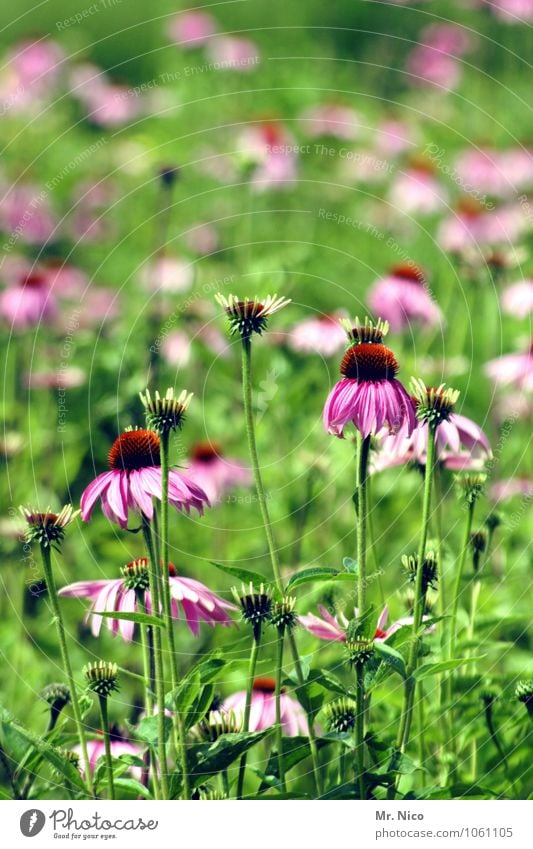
369, 361
43, 519
264, 685
206, 452
135, 449
408, 271
34, 280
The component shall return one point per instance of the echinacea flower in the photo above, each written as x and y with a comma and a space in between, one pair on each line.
215, 473
197, 602
321, 334
330, 627
331, 119
135, 480
517, 300
47, 529
250, 316
28, 302
263, 708
120, 745
401, 297
416, 191
512, 369
369, 395
191, 29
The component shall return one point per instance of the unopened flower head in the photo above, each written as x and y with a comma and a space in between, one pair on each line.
47, 528
524, 694
340, 715
284, 615
470, 487
430, 572
58, 697
255, 603
167, 413
216, 723
359, 650
136, 575
359, 333
430, 599
433, 404
250, 316
101, 677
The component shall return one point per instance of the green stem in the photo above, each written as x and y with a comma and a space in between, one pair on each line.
102, 700
248, 704
459, 577
177, 719
158, 659
404, 730
363, 449
54, 602
252, 446
279, 727
310, 718
360, 728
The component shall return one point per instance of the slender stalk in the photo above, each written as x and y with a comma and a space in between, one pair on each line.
279, 727
158, 659
404, 729
177, 719
248, 704
360, 729
312, 735
54, 602
459, 577
252, 446
102, 701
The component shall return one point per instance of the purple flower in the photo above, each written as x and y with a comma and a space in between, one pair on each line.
119, 746
334, 627
321, 335
28, 302
514, 369
369, 395
135, 480
263, 708
214, 473
401, 298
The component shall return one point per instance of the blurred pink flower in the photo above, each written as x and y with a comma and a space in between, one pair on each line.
202, 239
119, 746
89, 221
393, 137
402, 298
321, 334
505, 489
135, 480
328, 627
517, 300
500, 173
512, 11
28, 302
472, 226
429, 67
64, 378
236, 54
369, 395
176, 349
26, 214
63, 279
263, 709
270, 150
191, 29
215, 473
168, 274
512, 369
417, 191
37, 64
107, 104
330, 119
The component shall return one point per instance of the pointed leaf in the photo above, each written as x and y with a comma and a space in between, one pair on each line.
392, 657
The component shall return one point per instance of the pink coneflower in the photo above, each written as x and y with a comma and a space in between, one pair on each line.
448, 38
393, 137
427, 66
517, 300
500, 173
512, 369
176, 349
269, 150
474, 226
460, 445
402, 297
417, 191
168, 274
512, 11
25, 212
120, 745
191, 29
321, 334
107, 104
331, 119
263, 709
70, 377
36, 63
135, 480
214, 473
65, 280
28, 303
504, 489
369, 395
196, 602
334, 627
235, 54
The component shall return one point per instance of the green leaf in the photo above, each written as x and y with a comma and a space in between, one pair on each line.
201, 706
130, 785
207, 759
392, 657
147, 729
429, 669
243, 575
295, 750
185, 693
317, 573
350, 566
140, 618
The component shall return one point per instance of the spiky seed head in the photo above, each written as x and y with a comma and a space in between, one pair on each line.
470, 486
255, 603
284, 616
247, 317
359, 650
430, 570
57, 696
101, 677
216, 723
361, 332
166, 413
136, 575
433, 404
340, 715
524, 694
47, 529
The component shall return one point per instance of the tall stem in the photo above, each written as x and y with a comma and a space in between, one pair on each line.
312, 736
177, 719
279, 727
252, 446
102, 700
158, 659
404, 729
54, 602
248, 704
360, 728
459, 577
363, 449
